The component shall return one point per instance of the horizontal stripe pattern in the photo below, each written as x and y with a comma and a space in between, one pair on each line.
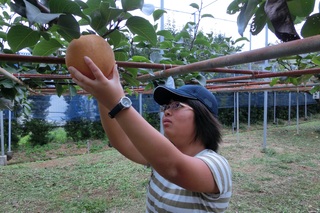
164, 196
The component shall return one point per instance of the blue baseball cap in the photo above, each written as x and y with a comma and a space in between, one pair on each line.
162, 95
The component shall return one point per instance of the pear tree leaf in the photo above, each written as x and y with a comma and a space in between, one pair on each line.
301, 8
129, 5
259, 21
274, 81
201, 79
34, 15
67, 6
20, 37
157, 14
311, 26
130, 80
68, 27
195, 6
207, 16
46, 47
246, 14
72, 90
166, 34
142, 27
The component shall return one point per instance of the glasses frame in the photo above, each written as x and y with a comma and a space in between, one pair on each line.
174, 106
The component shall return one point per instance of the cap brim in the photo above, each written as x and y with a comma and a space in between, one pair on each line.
162, 95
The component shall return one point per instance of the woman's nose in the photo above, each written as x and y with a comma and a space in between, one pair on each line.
167, 112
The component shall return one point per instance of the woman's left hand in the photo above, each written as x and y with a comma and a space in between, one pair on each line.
107, 91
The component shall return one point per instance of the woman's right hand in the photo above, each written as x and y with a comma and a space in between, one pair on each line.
107, 91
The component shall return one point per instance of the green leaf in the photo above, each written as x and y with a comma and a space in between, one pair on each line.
201, 79
121, 56
92, 6
316, 60
165, 45
202, 41
182, 34
34, 14
246, 14
129, 5
207, 16
315, 89
7, 83
68, 27
301, 8
46, 47
3, 35
311, 26
130, 80
166, 34
59, 89
142, 27
274, 81
97, 20
179, 82
115, 38
304, 78
241, 39
157, 14
140, 59
194, 5
110, 14
72, 90
293, 80
234, 7
259, 21
67, 6
20, 37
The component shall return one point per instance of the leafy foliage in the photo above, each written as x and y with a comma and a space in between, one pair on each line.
255, 11
84, 129
39, 131
280, 17
44, 28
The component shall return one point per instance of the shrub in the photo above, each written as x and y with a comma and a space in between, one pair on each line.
16, 132
84, 129
39, 131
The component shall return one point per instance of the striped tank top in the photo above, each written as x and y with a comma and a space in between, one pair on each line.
164, 196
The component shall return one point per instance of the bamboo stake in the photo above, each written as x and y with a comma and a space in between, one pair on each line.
15, 79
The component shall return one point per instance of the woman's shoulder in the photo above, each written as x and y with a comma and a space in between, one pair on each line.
208, 152
212, 157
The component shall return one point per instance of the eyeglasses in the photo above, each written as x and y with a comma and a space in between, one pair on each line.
173, 106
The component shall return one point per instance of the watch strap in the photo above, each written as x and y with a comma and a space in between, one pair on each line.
115, 110
124, 103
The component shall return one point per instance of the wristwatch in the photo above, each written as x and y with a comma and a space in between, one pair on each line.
124, 103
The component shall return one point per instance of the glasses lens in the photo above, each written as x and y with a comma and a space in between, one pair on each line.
172, 106
175, 105
162, 108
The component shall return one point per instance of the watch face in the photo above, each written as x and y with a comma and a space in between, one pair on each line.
126, 102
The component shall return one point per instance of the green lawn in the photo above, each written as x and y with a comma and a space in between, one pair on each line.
285, 177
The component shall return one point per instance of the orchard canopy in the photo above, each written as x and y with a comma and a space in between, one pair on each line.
42, 30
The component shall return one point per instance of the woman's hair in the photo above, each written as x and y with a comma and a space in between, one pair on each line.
208, 127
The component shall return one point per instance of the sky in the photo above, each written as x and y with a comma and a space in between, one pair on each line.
222, 23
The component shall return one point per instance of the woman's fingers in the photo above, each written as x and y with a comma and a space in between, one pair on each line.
94, 68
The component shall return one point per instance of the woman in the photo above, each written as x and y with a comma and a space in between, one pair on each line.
187, 173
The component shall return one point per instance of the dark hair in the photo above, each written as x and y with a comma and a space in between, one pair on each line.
208, 127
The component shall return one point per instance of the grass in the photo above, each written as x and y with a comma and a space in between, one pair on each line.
64, 177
